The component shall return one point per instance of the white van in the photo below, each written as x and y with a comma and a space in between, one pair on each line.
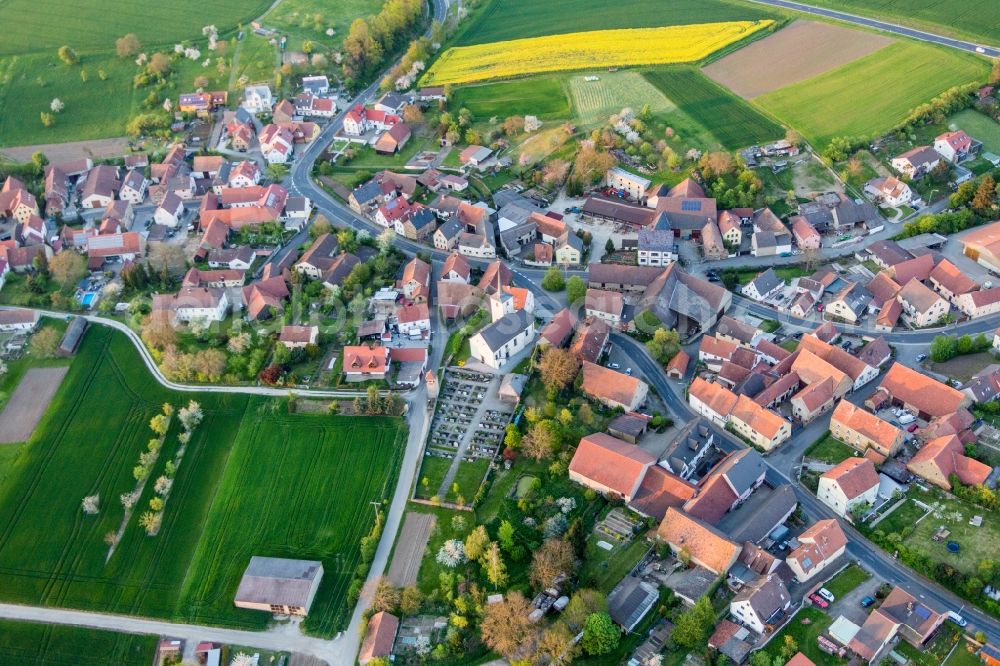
952, 616
826, 594
906, 419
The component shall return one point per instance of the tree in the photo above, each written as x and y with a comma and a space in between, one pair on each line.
582, 605
505, 535
552, 560
410, 600
553, 280
127, 46
505, 626
591, 165
513, 125
158, 424
166, 260
157, 332
664, 345
56, 105
609, 246
555, 646
600, 635
793, 137
492, 562
476, 543
576, 289
67, 268
44, 342
91, 504
555, 171
320, 226
558, 367
692, 626
277, 172
412, 114
386, 597
159, 64
68, 55
543, 440
48, 120
985, 195
943, 348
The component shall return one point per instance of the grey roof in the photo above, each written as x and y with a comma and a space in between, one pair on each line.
734, 328
422, 218
505, 329
889, 252
628, 424
852, 212
367, 192
512, 383
574, 241
742, 469
857, 298
510, 239
74, 333
756, 521
655, 240
279, 581
685, 446
506, 196
767, 596
751, 386
767, 281
817, 214
629, 602
451, 229
517, 211
392, 99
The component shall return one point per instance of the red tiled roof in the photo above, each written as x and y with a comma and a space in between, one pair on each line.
610, 462
855, 476
707, 546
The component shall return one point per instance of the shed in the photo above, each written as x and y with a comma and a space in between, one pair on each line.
629, 602
71, 339
843, 630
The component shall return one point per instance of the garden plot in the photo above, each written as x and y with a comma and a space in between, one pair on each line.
25, 408
597, 96
802, 50
413, 539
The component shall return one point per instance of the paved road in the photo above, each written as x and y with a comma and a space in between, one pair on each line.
870, 555
894, 28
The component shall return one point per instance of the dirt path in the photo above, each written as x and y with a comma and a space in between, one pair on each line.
73, 150
30, 400
410, 546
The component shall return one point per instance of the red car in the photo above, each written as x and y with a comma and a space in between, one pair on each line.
818, 601
912, 428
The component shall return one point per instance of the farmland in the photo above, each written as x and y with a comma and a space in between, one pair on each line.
542, 96
88, 25
283, 473
972, 19
596, 100
27, 643
797, 52
892, 82
310, 19
733, 122
584, 50
514, 19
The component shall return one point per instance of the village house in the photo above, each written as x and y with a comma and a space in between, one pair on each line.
362, 362
758, 424
100, 187
711, 400
761, 603
980, 303
221, 277
982, 245
813, 400
655, 247
606, 305
853, 482
714, 351
416, 281
265, 298
244, 174
134, 187
613, 389
18, 321
276, 143
943, 456
116, 247
706, 546
258, 99
889, 191
949, 281
170, 212
916, 162
728, 485
862, 430
805, 234
380, 636
921, 306
633, 185
850, 303
916, 392
393, 140
298, 337
610, 466
766, 285
899, 613
820, 545
955, 146
201, 305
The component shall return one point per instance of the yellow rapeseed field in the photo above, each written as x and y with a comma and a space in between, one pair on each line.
586, 50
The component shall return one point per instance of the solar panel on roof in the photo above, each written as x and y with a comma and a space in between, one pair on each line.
923, 612
690, 205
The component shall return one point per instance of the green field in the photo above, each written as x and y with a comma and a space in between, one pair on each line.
972, 19
595, 101
733, 122
27, 644
91, 25
513, 19
252, 481
542, 96
980, 127
892, 82
310, 19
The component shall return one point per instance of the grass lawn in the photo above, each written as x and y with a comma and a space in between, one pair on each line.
444, 530
829, 449
933, 653
310, 19
904, 516
745, 275
974, 19
542, 96
962, 656
513, 19
963, 367
791, 344
29, 643
603, 569
733, 122
596, 100
253, 481
805, 636
469, 477
980, 126
257, 59
826, 106
847, 580
977, 543
433, 469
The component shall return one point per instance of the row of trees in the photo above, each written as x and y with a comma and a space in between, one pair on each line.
946, 347
370, 41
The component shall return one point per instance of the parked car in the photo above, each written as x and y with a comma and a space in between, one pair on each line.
819, 308
614, 366
826, 594
906, 419
867, 601
956, 618
912, 428
818, 601
921, 358
628, 371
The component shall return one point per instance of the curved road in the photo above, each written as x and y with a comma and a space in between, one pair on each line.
873, 557
886, 26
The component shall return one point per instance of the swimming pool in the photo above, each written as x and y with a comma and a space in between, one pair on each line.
87, 298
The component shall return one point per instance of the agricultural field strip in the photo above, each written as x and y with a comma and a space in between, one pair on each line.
795, 53
826, 106
595, 100
584, 50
